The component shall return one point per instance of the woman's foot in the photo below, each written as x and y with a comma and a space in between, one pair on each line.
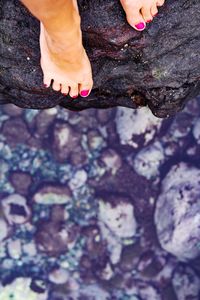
140, 12
64, 60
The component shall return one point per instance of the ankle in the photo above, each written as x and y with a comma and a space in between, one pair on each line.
63, 41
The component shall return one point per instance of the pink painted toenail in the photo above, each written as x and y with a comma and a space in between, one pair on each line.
155, 15
74, 97
45, 85
64, 94
140, 26
85, 93
148, 21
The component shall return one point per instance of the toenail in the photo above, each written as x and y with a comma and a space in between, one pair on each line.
155, 15
64, 94
45, 85
148, 21
140, 26
85, 93
74, 97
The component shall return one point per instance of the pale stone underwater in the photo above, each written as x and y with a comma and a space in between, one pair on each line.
99, 204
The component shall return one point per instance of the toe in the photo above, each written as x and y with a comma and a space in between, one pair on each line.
154, 10
85, 89
56, 86
136, 21
65, 89
47, 81
134, 17
73, 91
160, 2
146, 13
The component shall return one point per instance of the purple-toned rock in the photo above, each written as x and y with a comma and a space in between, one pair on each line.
3, 229
55, 238
65, 140
50, 195
148, 161
45, 119
59, 276
136, 128
177, 215
186, 284
117, 223
15, 209
21, 182
12, 110
15, 131
14, 248
111, 160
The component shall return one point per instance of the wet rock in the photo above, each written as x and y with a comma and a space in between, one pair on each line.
12, 110
15, 209
30, 249
136, 128
79, 157
117, 222
50, 195
15, 131
44, 120
177, 215
196, 131
20, 289
21, 182
147, 291
130, 257
181, 125
186, 284
3, 229
14, 249
104, 116
65, 140
95, 140
78, 180
111, 160
64, 237
59, 276
38, 286
118, 218
129, 68
148, 161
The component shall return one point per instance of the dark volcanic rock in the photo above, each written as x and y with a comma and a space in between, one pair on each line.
159, 67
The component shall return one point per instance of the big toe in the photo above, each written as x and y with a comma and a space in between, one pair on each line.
133, 14
85, 89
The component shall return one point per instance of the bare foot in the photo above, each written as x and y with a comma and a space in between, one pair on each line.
140, 12
64, 60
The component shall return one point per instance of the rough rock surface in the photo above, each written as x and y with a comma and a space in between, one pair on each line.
177, 215
159, 67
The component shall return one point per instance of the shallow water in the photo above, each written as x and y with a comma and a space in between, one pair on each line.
100, 204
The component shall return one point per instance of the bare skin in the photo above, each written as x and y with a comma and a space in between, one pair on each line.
63, 58
140, 12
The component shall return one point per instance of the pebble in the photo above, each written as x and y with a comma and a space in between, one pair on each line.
14, 249
59, 276
3, 229
177, 214
50, 195
16, 209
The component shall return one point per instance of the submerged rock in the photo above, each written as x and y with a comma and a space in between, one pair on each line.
177, 215
20, 289
15, 209
159, 67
